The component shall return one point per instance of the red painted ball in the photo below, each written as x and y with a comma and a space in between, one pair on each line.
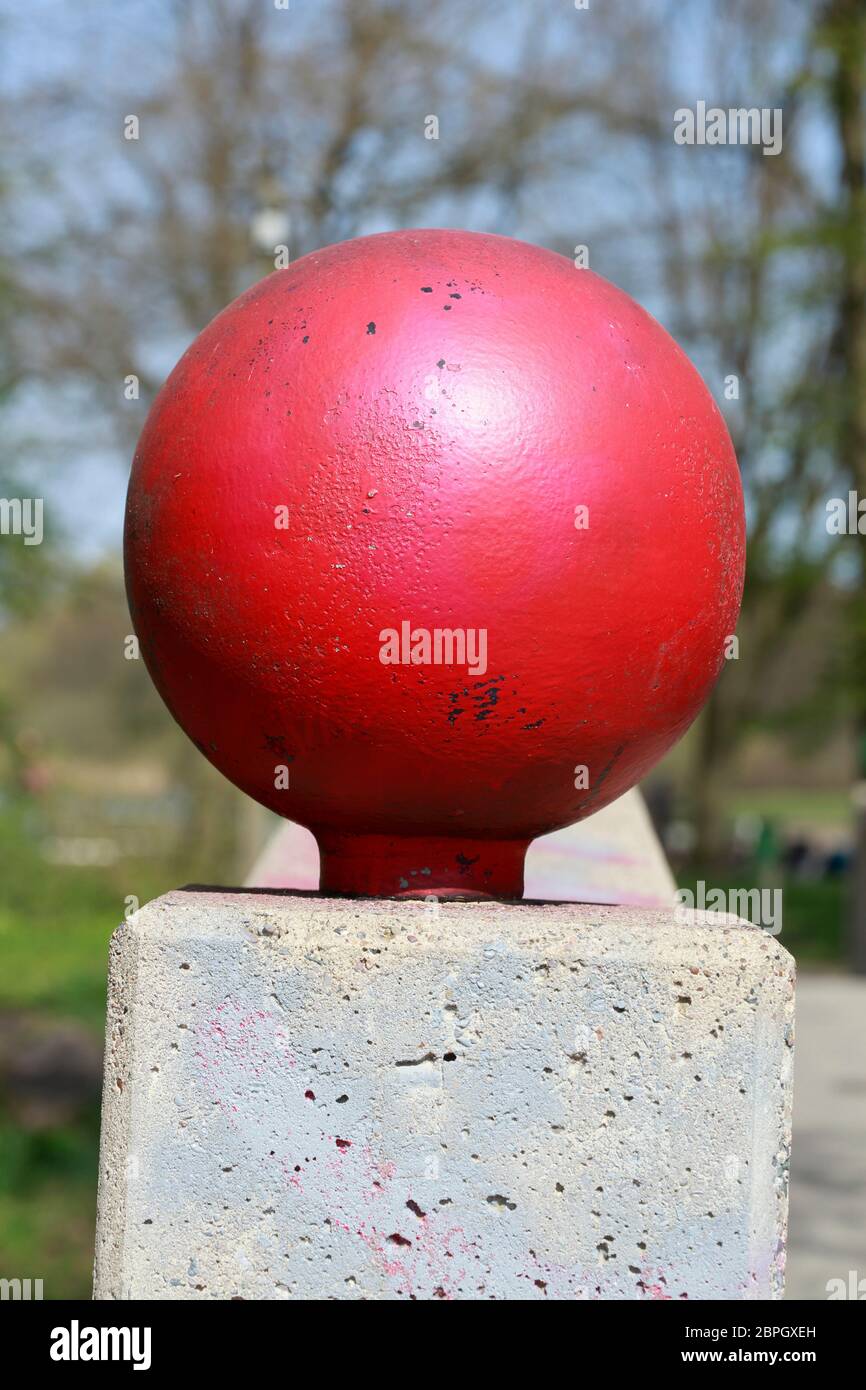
433, 542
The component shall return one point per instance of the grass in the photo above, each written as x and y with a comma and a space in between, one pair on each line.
813, 913
55, 924
48, 1204
785, 805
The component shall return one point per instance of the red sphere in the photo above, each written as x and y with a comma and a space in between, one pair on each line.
433, 542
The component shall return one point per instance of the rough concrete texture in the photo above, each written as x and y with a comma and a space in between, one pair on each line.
317, 1098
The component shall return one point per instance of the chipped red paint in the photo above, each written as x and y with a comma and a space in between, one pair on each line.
430, 409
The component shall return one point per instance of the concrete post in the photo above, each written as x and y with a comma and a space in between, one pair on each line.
350, 1098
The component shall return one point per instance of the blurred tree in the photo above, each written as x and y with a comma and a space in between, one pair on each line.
841, 37
749, 277
26, 571
256, 129
259, 129
252, 132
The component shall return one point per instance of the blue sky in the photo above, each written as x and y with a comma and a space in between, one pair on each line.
91, 45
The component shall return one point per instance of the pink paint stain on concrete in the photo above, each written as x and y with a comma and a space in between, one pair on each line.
420, 1252
420, 1256
380, 1171
569, 1282
231, 1044
413, 1244
417, 1261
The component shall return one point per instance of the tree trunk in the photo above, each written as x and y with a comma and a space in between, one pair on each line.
846, 20
705, 785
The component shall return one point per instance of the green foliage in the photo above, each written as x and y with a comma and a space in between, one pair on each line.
29, 574
55, 925
812, 911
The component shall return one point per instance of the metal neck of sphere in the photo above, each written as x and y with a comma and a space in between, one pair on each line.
442, 866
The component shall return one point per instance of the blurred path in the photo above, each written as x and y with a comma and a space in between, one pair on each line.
827, 1221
